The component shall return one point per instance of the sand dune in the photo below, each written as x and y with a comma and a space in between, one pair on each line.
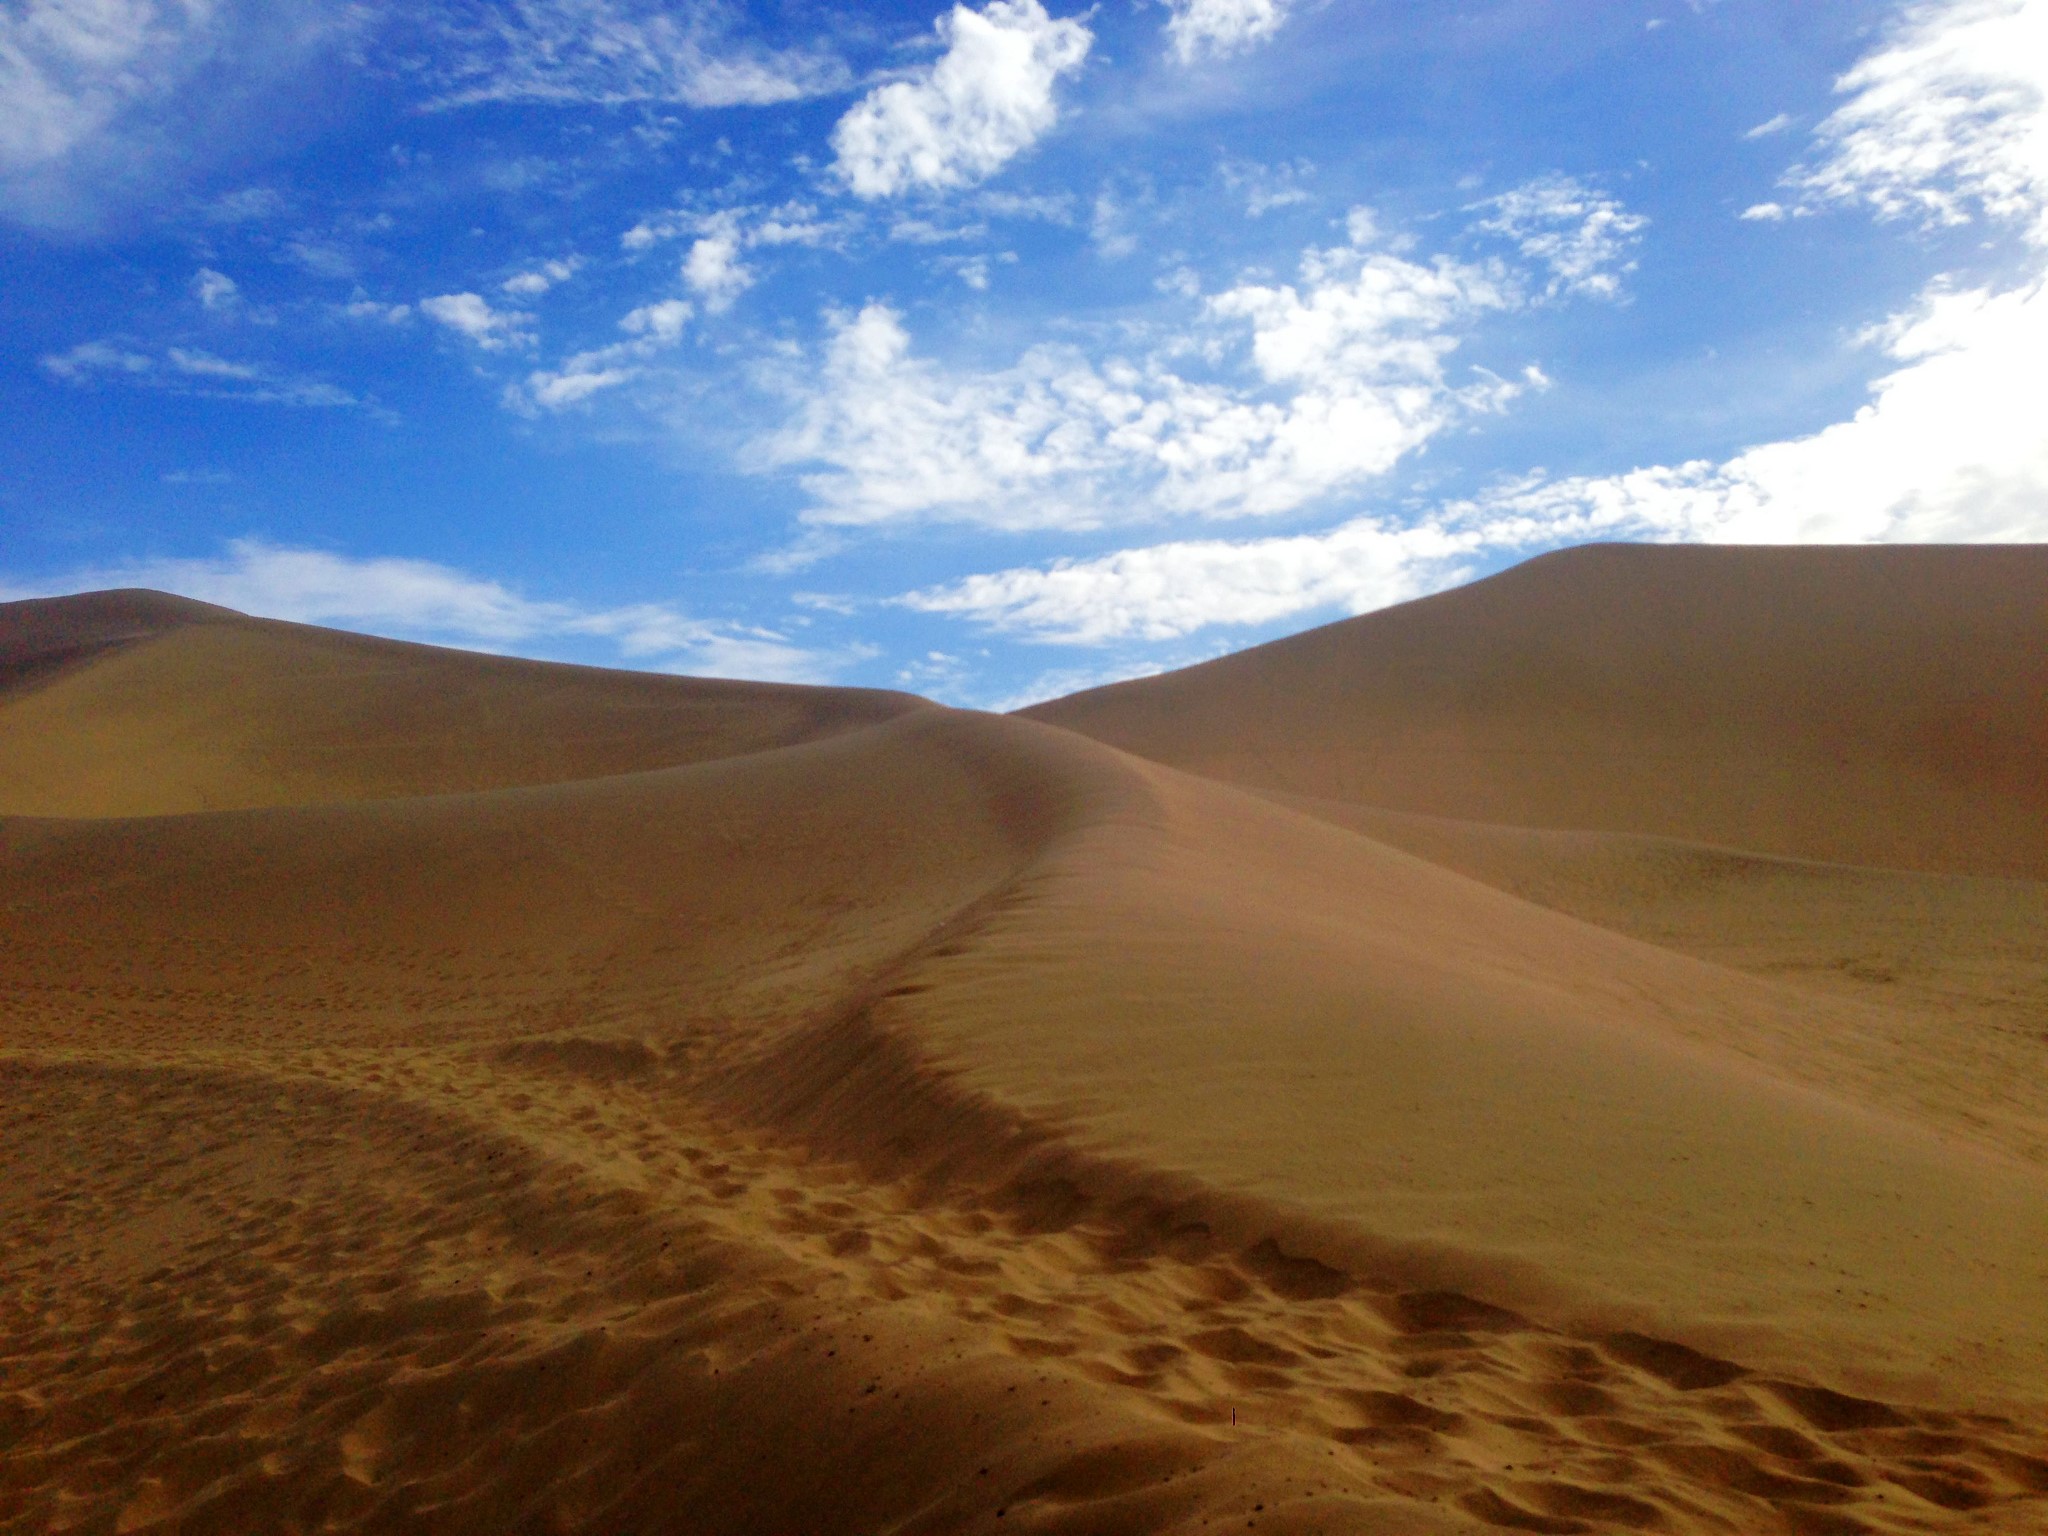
449, 1093
1875, 705
193, 708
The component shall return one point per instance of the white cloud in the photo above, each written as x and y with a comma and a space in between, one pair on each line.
1267, 187
1199, 28
206, 366
1170, 590
422, 600
1945, 121
986, 100
363, 307
611, 52
1764, 213
1952, 112
1339, 378
1769, 126
661, 322
468, 314
559, 390
652, 328
1106, 228
713, 268
96, 359
189, 371
214, 290
538, 280
1953, 447
1580, 233
971, 270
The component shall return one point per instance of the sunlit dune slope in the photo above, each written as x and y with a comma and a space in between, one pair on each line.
558, 1100
188, 707
1870, 705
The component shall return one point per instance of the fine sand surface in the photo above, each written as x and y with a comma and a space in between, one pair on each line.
1568, 1055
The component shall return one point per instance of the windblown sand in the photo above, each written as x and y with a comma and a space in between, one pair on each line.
1568, 1055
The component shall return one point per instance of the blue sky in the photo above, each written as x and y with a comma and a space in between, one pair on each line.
995, 350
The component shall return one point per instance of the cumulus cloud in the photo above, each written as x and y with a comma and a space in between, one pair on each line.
986, 100
1201, 28
611, 52
422, 600
470, 315
1580, 233
1337, 377
189, 371
536, 281
660, 322
713, 268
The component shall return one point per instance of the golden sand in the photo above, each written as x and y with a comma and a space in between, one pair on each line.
1567, 1055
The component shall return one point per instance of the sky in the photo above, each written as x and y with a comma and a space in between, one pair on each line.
993, 351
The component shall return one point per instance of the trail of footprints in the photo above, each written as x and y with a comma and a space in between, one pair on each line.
238, 1305
1431, 1395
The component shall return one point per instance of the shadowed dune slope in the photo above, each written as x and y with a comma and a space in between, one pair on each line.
189, 707
552, 1100
1869, 705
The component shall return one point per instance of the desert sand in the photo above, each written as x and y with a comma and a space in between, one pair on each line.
1565, 1055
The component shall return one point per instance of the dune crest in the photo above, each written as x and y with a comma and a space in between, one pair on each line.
448, 1093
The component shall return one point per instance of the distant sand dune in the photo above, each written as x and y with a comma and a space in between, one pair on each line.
1875, 705
442, 1093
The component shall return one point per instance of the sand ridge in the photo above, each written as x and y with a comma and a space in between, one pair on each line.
756, 1109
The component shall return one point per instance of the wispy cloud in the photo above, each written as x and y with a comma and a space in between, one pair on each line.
189, 371
423, 600
215, 291
109, 103
985, 101
649, 330
611, 52
1580, 233
1950, 114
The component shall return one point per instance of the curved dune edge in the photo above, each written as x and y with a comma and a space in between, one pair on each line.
824, 1138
